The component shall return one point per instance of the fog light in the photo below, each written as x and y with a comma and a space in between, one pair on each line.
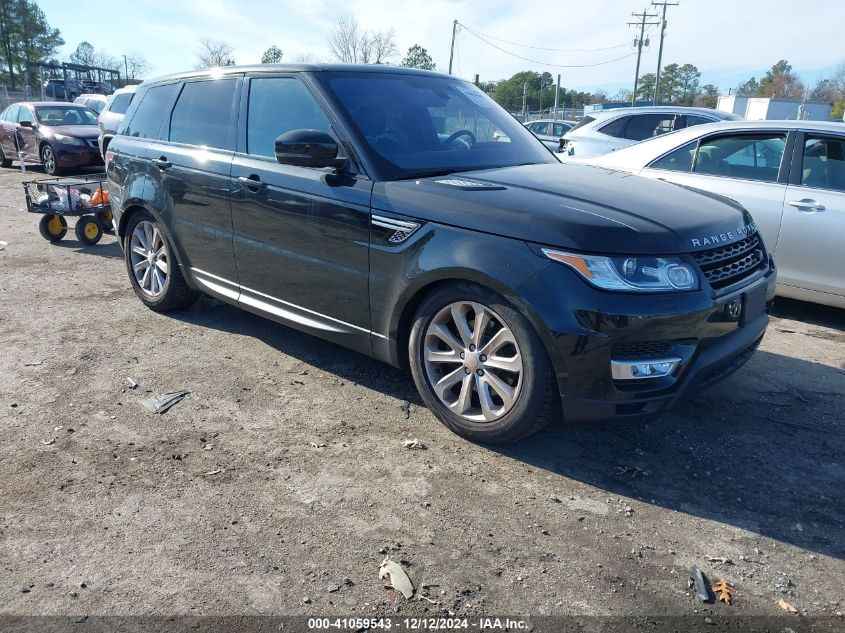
646, 368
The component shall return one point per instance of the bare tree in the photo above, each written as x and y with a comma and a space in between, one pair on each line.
350, 45
305, 58
214, 53
136, 65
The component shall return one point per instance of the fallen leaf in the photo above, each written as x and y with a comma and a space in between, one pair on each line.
720, 559
414, 443
788, 607
398, 578
724, 590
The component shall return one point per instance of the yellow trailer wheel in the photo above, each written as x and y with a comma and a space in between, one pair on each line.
52, 227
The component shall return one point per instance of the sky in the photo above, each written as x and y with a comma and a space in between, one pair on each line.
728, 40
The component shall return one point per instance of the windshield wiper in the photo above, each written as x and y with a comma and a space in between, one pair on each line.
432, 172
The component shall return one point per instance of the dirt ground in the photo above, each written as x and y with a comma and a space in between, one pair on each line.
281, 482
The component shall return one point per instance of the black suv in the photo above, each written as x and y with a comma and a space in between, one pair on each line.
405, 215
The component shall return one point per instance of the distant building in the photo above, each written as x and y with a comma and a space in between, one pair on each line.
771, 108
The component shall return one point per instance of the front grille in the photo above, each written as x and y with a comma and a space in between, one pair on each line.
727, 265
636, 350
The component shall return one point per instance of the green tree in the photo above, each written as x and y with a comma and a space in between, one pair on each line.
645, 87
272, 55
709, 96
418, 57
838, 111
25, 36
750, 88
539, 90
688, 84
780, 81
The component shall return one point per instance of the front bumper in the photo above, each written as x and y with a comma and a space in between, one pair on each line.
585, 328
77, 155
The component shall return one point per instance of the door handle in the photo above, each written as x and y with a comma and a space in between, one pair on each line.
806, 205
162, 163
252, 182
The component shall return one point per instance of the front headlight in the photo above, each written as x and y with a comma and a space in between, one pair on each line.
68, 140
630, 273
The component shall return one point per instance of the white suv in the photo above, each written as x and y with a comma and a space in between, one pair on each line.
609, 130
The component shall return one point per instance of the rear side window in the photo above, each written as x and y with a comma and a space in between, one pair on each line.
559, 129
203, 112
643, 126
745, 156
147, 119
278, 105
584, 121
616, 127
697, 120
677, 160
120, 104
10, 113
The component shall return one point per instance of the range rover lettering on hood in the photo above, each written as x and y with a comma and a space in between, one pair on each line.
721, 238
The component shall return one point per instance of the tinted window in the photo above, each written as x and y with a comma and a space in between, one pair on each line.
697, 120
677, 160
616, 127
416, 124
559, 129
203, 113
147, 119
121, 102
10, 113
63, 115
24, 114
746, 156
539, 128
643, 126
582, 122
278, 105
824, 163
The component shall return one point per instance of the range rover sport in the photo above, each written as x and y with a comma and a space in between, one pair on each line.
405, 215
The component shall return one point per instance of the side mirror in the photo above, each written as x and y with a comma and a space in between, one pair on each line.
308, 148
27, 124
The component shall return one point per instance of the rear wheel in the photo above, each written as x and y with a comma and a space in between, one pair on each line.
153, 270
88, 230
53, 227
106, 221
480, 366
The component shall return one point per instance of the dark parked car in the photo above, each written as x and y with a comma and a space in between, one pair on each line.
60, 136
62, 90
328, 198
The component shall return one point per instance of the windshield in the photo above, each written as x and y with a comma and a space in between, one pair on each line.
413, 125
65, 115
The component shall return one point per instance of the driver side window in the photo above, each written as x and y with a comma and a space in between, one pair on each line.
24, 114
278, 105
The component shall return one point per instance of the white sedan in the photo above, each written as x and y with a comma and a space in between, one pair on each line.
789, 174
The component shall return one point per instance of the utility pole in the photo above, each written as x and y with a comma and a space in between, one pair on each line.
525, 99
642, 23
663, 4
452, 49
126, 68
557, 95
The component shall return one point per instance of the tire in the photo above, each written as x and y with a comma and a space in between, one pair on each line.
53, 227
159, 287
4, 162
511, 342
106, 221
49, 160
88, 230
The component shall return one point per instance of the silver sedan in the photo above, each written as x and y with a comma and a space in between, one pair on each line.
789, 174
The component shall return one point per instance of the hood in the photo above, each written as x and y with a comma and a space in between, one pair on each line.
579, 207
79, 131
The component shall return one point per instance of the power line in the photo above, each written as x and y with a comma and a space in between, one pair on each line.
541, 48
542, 63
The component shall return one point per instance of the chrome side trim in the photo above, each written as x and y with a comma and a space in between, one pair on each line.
285, 310
216, 285
396, 225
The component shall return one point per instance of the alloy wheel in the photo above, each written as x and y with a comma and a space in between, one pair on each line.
472, 361
48, 159
148, 256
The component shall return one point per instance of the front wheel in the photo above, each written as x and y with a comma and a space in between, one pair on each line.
153, 270
49, 161
480, 366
